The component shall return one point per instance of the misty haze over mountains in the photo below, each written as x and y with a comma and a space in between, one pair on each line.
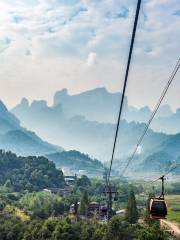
23, 142
101, 106
17, 139
86, 122
71, 124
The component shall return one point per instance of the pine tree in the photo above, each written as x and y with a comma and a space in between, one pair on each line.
76, 209
131, 209
84, 204
147, 212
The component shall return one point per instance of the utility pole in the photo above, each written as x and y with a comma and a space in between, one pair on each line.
162, 179
109, 191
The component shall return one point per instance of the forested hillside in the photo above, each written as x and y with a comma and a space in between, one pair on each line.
28, 173
76, 161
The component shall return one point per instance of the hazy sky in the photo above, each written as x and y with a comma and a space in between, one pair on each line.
47, 45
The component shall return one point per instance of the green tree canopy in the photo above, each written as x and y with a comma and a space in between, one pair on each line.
28, 173
84, 181
84, 204
42, 204
131, 209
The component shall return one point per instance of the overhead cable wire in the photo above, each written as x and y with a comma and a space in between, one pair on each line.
176, 68
124, 85
147, 181
165, 174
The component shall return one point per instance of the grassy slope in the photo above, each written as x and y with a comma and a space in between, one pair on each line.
173, 203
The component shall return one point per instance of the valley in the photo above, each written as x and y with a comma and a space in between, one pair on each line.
69, 124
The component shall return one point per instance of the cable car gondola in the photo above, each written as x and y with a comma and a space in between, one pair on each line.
157, 206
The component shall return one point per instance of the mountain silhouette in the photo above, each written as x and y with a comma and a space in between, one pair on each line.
15, 138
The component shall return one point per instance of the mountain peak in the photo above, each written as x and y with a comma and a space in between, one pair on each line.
8, 116
38, 104
145, 109
60, 96
24, 102
2, 107
62, 92
99, 89
164, 111
23, 106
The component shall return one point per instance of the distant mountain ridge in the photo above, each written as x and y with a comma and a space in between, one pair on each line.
15, 138
85, 122
102, 106
95, 105
8, 121
162, 158
169, 124
77, 132
77, 162
19, 140
171, 145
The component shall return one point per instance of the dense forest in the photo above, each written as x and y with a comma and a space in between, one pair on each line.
28, 173
64, 229
28, 211
41, 215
